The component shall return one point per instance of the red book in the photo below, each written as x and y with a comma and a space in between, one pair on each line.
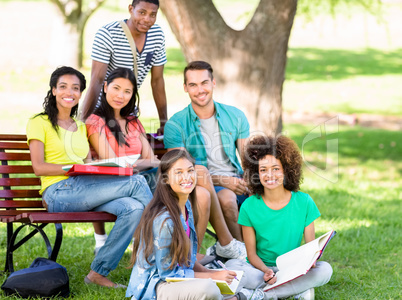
98, 170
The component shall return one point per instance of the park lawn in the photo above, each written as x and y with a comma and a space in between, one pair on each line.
359, 197
342, 80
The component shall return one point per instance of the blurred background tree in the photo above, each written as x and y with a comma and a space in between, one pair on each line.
76, 14
249, 64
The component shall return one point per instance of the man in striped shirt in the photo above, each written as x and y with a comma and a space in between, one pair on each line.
111, 49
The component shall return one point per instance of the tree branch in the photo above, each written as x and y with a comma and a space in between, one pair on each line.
193, 20
93, 6
60, 7
272, 18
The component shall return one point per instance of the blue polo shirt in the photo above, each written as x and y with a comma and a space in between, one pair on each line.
184, 130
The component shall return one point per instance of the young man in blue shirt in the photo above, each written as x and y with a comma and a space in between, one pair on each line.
212, 132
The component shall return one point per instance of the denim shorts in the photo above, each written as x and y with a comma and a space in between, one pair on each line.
240, 198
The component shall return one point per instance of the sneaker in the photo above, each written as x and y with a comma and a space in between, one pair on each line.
211, 250
306, 295
234, 249
207, 259
256, 294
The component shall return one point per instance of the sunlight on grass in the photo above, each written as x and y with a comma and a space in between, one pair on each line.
362, 206
349, 65
344, 224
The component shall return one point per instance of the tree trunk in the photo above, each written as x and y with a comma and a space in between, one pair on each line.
75, 18
249, 65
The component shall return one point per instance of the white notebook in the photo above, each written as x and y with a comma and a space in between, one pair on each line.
121, 161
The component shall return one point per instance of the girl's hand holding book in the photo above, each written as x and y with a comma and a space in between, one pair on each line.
225, 275
269, 277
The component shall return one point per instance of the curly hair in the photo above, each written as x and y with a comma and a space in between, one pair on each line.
283, 149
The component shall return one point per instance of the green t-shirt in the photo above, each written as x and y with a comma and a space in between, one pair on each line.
62, 147
278, 231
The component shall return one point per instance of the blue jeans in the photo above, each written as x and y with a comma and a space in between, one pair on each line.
150, 177
240, 198
123, 196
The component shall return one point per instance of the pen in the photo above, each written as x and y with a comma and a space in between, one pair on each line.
223, 266
270, 278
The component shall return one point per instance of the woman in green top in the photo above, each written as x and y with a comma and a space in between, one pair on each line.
275, 219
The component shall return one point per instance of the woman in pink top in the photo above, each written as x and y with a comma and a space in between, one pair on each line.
114, 131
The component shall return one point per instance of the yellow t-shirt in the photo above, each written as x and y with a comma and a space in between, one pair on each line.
62, 147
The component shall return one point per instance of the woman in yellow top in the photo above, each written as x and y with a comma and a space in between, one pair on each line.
56, 139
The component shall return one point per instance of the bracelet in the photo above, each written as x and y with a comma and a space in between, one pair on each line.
266, 281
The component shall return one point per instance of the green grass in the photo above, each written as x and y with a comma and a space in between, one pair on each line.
177, 62
347, 81
362, 205
312, 64
352, 173
359, 197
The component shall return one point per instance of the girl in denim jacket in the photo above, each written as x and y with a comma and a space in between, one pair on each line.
165, 242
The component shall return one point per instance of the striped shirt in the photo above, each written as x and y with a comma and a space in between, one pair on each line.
112, 47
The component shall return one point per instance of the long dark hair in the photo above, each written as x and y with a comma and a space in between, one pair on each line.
165, 199
49, 104
106, 112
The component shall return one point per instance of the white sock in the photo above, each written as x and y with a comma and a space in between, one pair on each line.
100, 239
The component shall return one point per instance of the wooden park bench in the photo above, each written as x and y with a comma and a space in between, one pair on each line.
21, 204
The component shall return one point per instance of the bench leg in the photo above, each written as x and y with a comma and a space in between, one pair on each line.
57, 242
9, 235
52, 253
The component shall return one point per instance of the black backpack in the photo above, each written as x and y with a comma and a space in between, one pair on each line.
43, 278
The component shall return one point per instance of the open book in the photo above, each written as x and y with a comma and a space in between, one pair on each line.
222, 285
299, 261
121, 162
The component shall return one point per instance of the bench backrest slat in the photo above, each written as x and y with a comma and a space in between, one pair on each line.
14, 146
19, 194
16, 169
13, 137
28, 181
10, 156
21, 204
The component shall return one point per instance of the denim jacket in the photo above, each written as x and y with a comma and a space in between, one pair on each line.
144, 276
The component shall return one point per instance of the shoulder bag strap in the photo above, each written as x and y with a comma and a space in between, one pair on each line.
132, 46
